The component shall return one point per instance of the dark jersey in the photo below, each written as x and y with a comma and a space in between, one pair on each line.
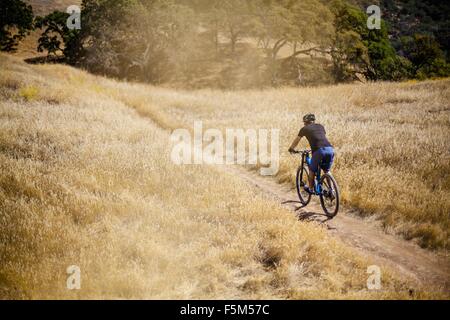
316, 135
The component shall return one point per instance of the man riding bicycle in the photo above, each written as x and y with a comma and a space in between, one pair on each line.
322, 150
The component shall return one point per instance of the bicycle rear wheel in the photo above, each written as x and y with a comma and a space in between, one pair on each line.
329, 197
301, 182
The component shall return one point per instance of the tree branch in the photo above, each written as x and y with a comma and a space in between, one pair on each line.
308, 51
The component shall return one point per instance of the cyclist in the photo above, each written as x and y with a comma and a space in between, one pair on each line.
322, 150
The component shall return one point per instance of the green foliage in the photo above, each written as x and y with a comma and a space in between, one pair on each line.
418, 30
349, 53
236, 42
140, 40
56, 37
385, 63
273, 25
16, 20
427, 57
360, 51
409, 17
157, 40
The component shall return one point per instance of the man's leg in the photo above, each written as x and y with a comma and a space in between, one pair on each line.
311, 178
327, 159
314, 167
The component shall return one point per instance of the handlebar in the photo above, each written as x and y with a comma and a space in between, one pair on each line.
302, 152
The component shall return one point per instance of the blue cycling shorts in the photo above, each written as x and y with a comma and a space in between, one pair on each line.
322, 157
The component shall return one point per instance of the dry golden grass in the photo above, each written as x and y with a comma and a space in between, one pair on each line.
85, 180
43, 7
392, 142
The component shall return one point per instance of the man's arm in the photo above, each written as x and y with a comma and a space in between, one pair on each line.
295, 143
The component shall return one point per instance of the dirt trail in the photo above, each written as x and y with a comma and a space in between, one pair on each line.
365, 236
407, 258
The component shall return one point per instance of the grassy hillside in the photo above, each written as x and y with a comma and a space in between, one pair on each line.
87, 181
392, 142
43, 7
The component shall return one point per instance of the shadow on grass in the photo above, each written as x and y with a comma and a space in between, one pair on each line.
310, 216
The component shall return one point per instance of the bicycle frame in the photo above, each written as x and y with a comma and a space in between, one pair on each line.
328, 191
306, 158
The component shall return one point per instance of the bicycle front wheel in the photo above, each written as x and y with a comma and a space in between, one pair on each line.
301, 182
329, 197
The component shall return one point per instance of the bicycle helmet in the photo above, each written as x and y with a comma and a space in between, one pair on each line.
309, 118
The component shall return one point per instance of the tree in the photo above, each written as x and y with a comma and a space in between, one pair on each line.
304, 25
57, 37
349, 53
134, 38
230, 19
428, 59
350, 56
358, 50
16, 21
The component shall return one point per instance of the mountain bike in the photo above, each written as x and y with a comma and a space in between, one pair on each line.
325, 186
